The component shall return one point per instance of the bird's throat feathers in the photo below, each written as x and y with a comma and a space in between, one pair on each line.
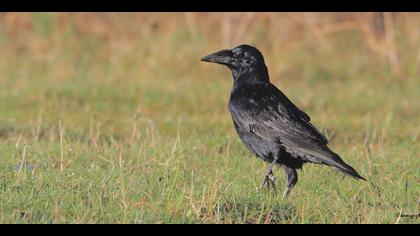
247, 76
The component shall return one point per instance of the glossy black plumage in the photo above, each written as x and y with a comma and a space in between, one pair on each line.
269, 124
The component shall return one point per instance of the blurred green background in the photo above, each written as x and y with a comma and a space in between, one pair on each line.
111, 117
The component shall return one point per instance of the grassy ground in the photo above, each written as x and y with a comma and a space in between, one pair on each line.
99, 130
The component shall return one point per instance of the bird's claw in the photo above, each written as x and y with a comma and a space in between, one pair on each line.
269, 181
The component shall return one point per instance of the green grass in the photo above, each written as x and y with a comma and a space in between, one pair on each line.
96, 130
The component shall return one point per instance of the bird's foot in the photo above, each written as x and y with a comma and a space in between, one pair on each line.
269, 181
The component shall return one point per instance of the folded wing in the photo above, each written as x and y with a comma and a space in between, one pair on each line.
278, 120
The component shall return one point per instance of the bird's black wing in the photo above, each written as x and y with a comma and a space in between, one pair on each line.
293, 111
269, 114
273, 117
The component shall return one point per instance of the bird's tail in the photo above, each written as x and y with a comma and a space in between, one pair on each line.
338, 163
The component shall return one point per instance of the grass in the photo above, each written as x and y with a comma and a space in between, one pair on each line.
136, 130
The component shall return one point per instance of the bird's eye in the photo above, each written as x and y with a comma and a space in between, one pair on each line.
236, 53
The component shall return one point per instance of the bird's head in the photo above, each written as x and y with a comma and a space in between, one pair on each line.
240, 60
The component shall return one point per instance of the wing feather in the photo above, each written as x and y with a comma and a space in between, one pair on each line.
279, 120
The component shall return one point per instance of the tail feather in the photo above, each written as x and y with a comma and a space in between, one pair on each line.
351, 171
338, 163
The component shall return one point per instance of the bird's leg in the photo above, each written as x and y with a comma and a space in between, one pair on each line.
291, 180
269, 178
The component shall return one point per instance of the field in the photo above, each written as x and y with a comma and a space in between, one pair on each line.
112, 118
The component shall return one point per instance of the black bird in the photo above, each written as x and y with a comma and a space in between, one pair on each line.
269, 124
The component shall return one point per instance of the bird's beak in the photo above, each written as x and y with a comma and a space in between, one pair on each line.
222, 57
